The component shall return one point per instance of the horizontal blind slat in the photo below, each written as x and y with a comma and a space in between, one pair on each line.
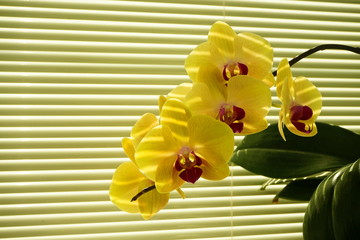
76, 75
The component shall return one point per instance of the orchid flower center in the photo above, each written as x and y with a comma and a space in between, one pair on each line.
187, 164
233, 69
232, 116
298, 113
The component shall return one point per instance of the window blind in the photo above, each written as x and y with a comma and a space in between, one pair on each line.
76, 75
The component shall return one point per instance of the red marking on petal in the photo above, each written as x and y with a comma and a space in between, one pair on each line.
239, 113
237, 127
198, 160
191, 175
301, 127
177, 165
306, 113
243, 69
300, 113
231, 115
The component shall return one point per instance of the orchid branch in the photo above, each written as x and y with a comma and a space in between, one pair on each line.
321, 48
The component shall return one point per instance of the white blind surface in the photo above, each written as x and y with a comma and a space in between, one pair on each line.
76, 75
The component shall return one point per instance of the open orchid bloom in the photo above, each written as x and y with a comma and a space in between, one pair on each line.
128, 181
242, 104
233, 54
184, 148
301, 102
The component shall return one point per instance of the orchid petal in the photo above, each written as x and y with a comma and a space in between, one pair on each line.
180, 91
222, 36
269, 79
175, 115
254, 97
215, 172
307, 94
212, 76
200, 55
202, 101
151, 202
161, 101
143, 126
307, 124
128, 147
125, 185
284, 76
213, 142
157, 145
167, 177
256, 53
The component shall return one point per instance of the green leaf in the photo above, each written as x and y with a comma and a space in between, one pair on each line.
266, 153
334, 209
317, 223
346, 203
299, 190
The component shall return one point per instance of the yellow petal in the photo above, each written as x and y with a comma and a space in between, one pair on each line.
286, 90
180, 91
254, 97
213, 141
200, 55
269, 79
151, 202
125, 185
284, 75
281, 124
222, 36
294, 130
214, 172
256, 53
161, 102
128, 147
202, 101
306, 94
167, 177
157, 145
142, 127
211, 76
175, 115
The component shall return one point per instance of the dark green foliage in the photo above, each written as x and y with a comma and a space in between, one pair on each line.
266, 153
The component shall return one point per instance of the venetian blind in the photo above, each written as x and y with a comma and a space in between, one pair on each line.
76, 75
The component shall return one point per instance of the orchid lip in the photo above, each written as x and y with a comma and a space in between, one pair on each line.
188, 164
232, 116
234, 69
301, 113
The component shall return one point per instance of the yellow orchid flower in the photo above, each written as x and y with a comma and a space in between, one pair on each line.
184, 148
242, 104
301, 102
128, 181
233, 54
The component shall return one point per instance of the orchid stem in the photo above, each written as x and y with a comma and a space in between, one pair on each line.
145, 190
321, 48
